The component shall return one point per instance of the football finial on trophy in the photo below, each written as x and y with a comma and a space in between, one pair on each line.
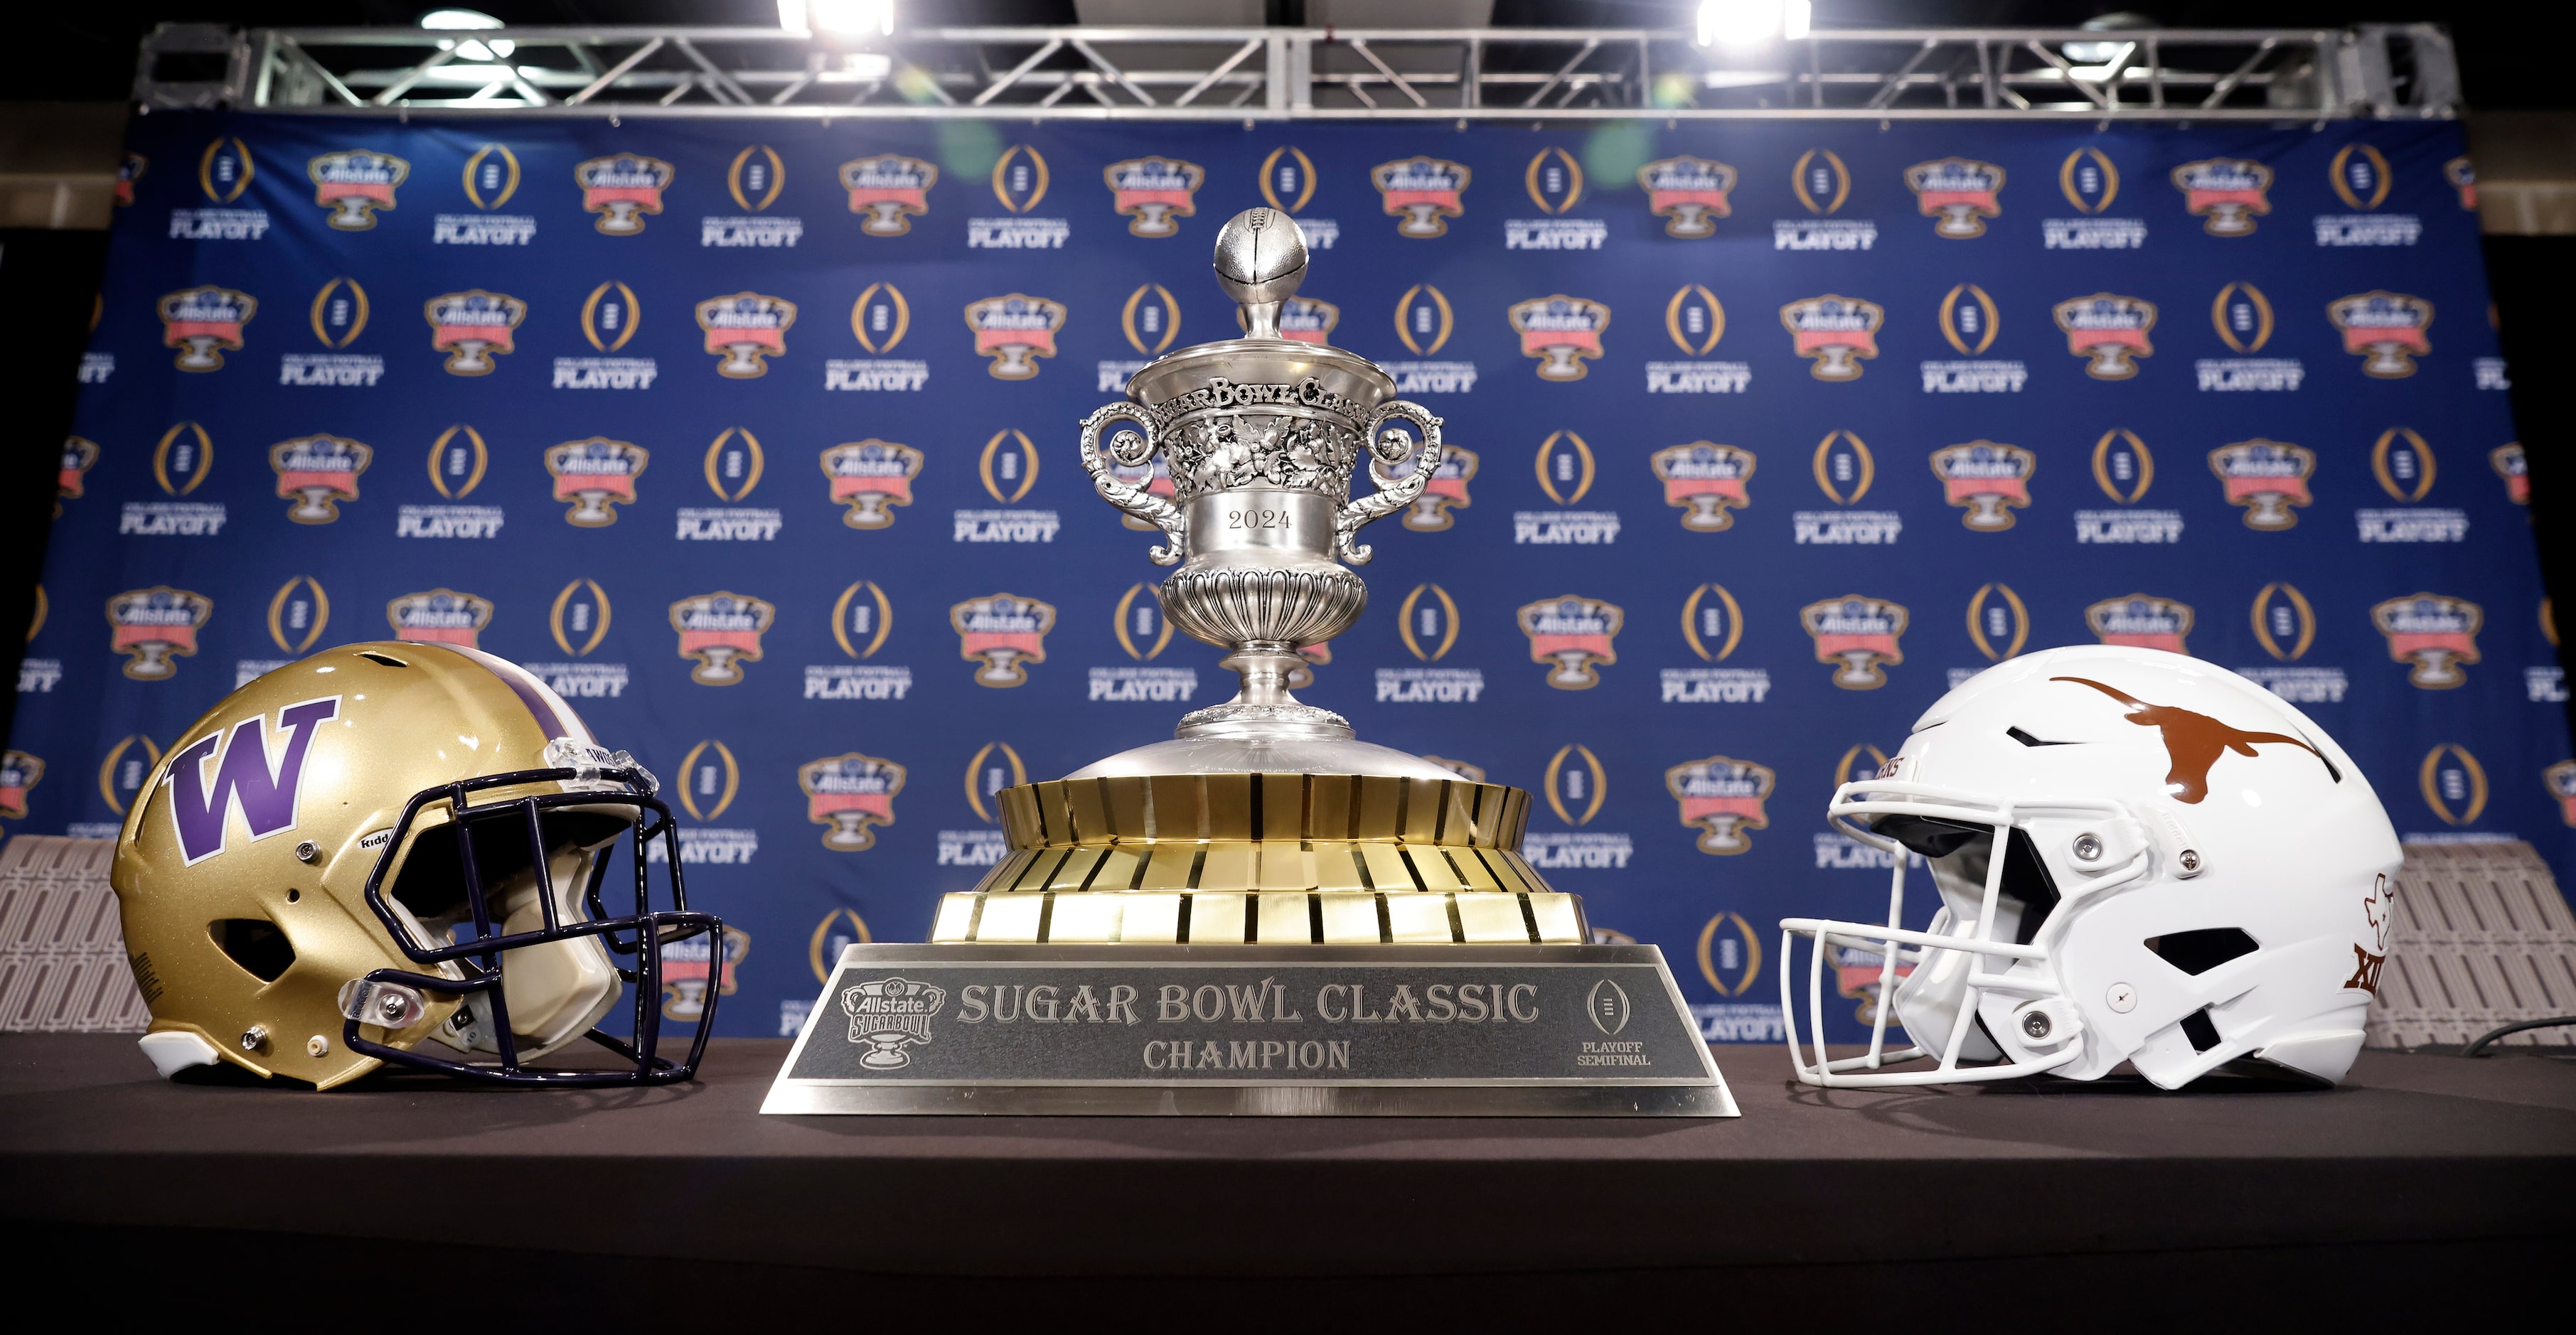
1261, 436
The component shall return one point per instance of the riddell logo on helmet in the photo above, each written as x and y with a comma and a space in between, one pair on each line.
2434, 634
721, 631
2141, 620
440, 616
850, 795
1722, 797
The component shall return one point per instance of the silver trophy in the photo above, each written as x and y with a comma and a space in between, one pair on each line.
1261, 436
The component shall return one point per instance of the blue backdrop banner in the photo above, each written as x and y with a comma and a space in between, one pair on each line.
757, 441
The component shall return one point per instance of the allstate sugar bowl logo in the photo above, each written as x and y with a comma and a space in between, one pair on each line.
1687, 193
1960, 192
868, 476
888, 191
850, 795
2109, 331
440, 616
2266, 478
1152, 192
1860, 636
720, 632
204, 323
1834, 333
2141, 620
2386, 329
155, 625
1561, 332
317, 473
2434, 634
596, 475
746, 329
1014, 330
1446, 491
1424, 192
1986, 481
473, 327
1002, 632
1722, 798
622, 189
1706, 481
890, 1015
1574, 635
19, 772
353, 184
2226, 194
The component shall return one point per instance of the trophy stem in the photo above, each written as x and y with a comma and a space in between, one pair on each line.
1263, 706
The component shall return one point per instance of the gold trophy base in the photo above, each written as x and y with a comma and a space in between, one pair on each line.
1269, 859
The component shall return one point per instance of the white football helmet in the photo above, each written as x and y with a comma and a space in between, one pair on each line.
2141, 857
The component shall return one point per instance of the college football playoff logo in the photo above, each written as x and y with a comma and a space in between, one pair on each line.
2109, 331
1014, 330
155, 625
204, 323
2267, 478
870, 475
850, 795
2226, 194
1573, 635
596, 475
1706, 482
1859, 636
746, 330
1002, 632
889, 1015
2386, 329
720, 632
1986, 481
1722, 798
440, 616
1833, 333
1425, 192
317, 473
2434, 634
472, 327
1151, 192
1686, 193
354, 184
1960, 192
2142, 621
1561, 332
888, 191
622, 189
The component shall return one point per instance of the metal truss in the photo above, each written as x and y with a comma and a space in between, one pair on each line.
2383, 71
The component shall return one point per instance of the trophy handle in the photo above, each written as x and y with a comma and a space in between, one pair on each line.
1132, 448
1387, 448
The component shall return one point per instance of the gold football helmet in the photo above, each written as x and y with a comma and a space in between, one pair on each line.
392, 843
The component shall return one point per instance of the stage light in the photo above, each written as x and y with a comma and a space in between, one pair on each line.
443, 20
848, 18
1750, 22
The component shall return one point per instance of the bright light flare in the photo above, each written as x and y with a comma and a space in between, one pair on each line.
1753, 22
468, 20
848, 18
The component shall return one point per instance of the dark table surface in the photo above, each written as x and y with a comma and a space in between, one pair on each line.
2414, 1149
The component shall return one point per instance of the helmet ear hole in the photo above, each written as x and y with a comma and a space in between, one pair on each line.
255, 944
2198, 952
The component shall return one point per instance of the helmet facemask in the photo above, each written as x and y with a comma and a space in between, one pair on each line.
502, 905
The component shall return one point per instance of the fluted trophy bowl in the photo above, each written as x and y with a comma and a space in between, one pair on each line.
1261, 437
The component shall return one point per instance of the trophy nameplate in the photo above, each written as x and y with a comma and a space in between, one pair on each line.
1264, 840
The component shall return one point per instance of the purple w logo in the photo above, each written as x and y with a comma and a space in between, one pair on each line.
203, 812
